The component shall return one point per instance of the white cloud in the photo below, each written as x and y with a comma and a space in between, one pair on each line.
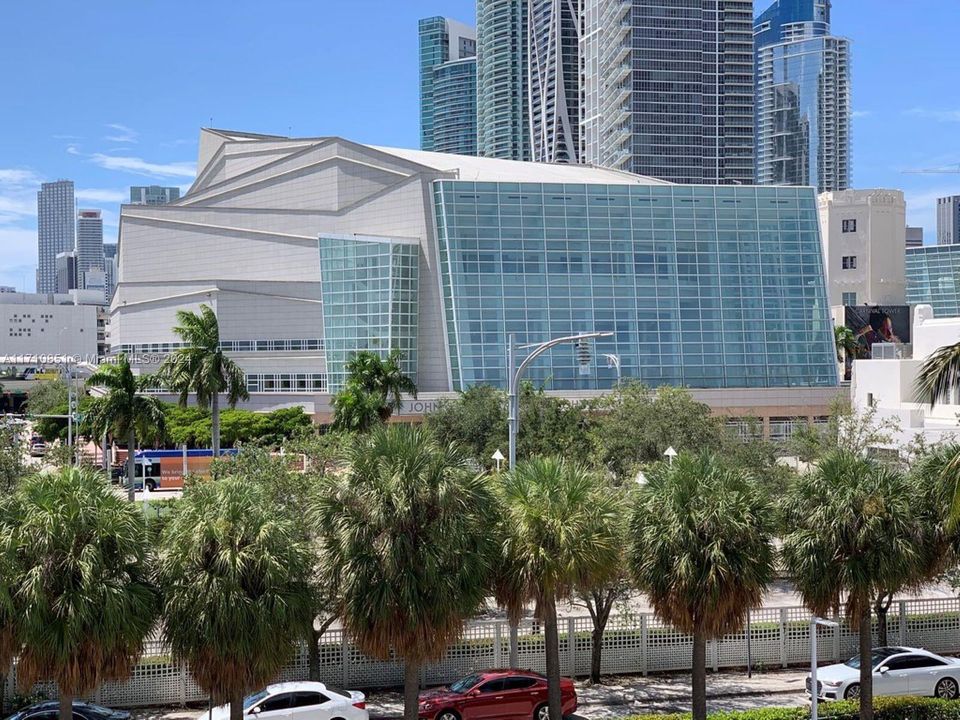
18, 199
861, 113
72, 150
102, 195
121, 133
938, 115
138, 166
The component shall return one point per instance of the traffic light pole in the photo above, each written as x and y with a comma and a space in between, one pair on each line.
514, 374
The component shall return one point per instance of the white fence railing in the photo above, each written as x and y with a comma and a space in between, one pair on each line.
632, 644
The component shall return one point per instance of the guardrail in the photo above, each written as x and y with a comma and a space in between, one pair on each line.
632, 644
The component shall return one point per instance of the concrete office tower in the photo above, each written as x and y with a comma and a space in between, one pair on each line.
153, 194
863, 235
110, 267
914, 236
668, 88
802, 96
503, 107
55, 230
89, 244
448, 86
66, 263
948, 220
554, 75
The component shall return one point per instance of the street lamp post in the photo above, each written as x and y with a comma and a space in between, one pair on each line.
613, 361
814, 694
514, 374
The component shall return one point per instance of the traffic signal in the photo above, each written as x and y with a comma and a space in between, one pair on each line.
583, 356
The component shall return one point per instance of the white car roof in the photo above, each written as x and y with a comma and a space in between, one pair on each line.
303, 686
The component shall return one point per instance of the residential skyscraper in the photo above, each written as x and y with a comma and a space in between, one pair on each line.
802, 96
948, 220
55, 230
89, 244
554, 67
448, 86
668, 88
153, 195
503, 107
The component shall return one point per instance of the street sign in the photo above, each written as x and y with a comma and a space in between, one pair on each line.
670, 453
498, 456
47, 375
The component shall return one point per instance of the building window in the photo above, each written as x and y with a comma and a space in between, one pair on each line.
849, 262
849, 298
849, 226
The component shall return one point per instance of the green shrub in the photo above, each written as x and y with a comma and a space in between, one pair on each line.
885, 708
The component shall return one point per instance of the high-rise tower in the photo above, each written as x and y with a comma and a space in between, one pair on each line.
503, 103
89, 244
668, 88
448, 86
803, 97
55, 230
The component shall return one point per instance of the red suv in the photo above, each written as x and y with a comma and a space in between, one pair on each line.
496, 694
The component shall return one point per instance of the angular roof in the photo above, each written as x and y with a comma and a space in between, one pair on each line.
463, 167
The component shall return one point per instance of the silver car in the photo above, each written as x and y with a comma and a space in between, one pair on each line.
896, 671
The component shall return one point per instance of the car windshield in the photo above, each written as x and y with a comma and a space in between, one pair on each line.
464, 684
96, 711
876, 656
251, 700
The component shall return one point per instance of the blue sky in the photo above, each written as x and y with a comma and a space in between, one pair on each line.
112, 94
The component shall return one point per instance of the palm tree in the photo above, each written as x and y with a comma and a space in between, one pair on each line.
846, 342
382, 376
701, 549
83, 595
234, 578
938, 375
356, 409
855, 534
125, 411
407, 528
203, 368
562, 535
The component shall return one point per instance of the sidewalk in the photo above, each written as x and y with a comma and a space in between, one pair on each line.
617, 696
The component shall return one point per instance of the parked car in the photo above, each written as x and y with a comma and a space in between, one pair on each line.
896, 671
50, 709
299, 701
38, 448
519, 694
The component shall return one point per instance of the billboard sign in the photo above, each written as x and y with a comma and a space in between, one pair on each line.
872, 324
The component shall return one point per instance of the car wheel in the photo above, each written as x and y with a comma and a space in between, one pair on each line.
151, 486
542, 712
448, 715
852, 692
947, 689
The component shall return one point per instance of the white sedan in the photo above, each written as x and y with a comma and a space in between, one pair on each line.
299, 701
896, 671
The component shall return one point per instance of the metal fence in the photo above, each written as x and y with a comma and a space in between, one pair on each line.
632, 644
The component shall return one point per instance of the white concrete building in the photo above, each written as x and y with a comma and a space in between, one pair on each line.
43, 327
886, 382
864, 246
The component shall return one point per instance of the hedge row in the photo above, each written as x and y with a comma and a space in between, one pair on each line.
885, 708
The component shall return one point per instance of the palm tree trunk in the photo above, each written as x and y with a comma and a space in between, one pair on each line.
313, 654
215, 424
66, 705
866, 668
236, 705
514, 644
881, 607
552, 643
699, 676
131, 465
411, 689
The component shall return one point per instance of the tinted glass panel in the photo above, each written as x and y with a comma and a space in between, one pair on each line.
307, 699
518, 683
278, 702
492, 686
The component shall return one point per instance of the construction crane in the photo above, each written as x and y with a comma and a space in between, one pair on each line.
946, 170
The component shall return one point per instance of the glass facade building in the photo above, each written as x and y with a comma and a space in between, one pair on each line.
503, 98
370, 289
447, 95
668, 88
933, 278
455, 107
707, 287
802, 97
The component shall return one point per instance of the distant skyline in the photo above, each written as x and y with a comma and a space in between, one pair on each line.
116, 93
